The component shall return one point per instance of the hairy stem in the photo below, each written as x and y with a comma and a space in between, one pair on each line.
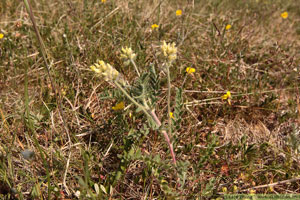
135, 67
151, 115
157, 121
169, 101
132, 99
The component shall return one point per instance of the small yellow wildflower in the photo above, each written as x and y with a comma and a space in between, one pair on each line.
103, 1
119, 106
190, 70
228, 26
169, 51
284, 15
171, 115
1, 35
178, 12
93, 115
154, 26
227, 95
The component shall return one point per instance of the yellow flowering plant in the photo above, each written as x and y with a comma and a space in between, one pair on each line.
284, 15
228, 26
171, 115
169, 51
143, 93
108, 72
190, 70
119, 106
154, 26
227, 97
178, 12
129, 56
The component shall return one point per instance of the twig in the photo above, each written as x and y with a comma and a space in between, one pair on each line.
109, 14
219, 33
196, 102
65, 174
135, 67
272, 184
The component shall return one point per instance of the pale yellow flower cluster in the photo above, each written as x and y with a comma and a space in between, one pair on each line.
107, 71
128, 54
169, 51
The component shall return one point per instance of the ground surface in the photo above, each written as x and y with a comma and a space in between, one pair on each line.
84, 147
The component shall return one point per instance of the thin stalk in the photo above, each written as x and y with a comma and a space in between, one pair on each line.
185, 77
56, 91
155, 118
135, 67
184, 80
169, 101
133, 100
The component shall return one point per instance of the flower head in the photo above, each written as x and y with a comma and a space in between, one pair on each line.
284, 15
127, 54
227, 95
171, 115
154, 26
190, 70
228, 26
1, 35
107, 71
119, 106
169, 51
103, 1
178, 12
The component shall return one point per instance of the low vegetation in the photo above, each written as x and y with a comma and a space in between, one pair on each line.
149, 99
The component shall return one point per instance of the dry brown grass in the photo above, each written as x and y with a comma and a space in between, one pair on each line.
257, 60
